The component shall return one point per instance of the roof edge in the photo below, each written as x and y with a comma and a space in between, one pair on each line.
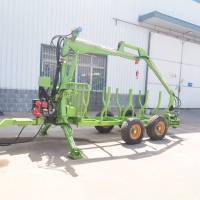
169, 19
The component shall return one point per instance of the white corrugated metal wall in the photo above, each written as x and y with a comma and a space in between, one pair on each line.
26, 24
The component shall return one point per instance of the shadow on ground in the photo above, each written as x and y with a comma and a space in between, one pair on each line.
52, 153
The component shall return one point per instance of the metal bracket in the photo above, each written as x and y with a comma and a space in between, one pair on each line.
115, 22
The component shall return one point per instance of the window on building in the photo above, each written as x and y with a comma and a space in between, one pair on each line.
90, 68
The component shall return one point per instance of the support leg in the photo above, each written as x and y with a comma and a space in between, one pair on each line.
75, 152
44, 130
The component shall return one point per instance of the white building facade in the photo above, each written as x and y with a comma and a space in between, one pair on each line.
27, 27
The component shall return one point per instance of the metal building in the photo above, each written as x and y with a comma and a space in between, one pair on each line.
168, 30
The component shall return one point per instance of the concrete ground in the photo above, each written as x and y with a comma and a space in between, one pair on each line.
110, 169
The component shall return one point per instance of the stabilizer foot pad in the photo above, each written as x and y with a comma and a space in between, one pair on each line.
43, 133
75, 154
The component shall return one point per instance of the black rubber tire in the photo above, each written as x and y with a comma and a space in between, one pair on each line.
126, 127
128, 113
151, 127
101, 129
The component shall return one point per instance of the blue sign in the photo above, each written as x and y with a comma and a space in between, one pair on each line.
189, 84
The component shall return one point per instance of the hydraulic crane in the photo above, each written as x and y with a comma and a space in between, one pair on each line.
62, 102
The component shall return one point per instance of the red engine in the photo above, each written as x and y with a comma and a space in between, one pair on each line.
37, 104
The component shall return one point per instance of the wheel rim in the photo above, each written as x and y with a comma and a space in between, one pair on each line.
160, 128
106, 126
135, 132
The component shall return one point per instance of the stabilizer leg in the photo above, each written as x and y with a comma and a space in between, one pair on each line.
44, 130
75, 152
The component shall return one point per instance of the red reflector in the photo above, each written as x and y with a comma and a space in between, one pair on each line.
136, 62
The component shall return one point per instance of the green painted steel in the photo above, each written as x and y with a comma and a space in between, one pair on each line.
118, 105
129, 102
72, 107
132, 108
144, 106
139, 99
171, 102
103, 100
44, 130
22, 122
159, 101
44, 81
105, 105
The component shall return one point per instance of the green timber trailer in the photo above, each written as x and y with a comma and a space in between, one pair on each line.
63, 102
